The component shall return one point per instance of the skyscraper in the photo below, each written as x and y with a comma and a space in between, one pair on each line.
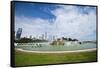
45, 35
30, 36
19, 32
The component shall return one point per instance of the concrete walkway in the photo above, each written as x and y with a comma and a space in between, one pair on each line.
85, 50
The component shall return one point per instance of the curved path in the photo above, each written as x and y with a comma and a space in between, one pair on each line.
85, 50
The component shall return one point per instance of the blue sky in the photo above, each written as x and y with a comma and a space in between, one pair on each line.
35, 10
60, 20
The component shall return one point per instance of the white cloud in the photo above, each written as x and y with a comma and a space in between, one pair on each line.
69, 22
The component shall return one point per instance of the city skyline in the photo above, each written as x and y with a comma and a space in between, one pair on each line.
43, 36
61, 20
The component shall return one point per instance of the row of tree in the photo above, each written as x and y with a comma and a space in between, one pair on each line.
28, 40
69, 39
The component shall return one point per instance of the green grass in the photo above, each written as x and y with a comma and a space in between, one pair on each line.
23, 58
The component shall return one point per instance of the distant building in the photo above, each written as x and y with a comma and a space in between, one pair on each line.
30, 36
54, 38
45, 35
19, 32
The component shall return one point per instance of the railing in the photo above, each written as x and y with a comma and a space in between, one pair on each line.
27, 44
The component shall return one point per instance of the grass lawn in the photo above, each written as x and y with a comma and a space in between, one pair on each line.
23, 58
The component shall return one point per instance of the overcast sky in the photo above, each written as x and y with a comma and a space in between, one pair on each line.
62, 20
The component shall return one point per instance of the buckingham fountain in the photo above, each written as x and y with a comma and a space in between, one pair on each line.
55, 45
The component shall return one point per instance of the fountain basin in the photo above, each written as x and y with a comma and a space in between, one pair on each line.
69, 46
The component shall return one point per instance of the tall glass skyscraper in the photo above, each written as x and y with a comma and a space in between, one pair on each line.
19, 32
